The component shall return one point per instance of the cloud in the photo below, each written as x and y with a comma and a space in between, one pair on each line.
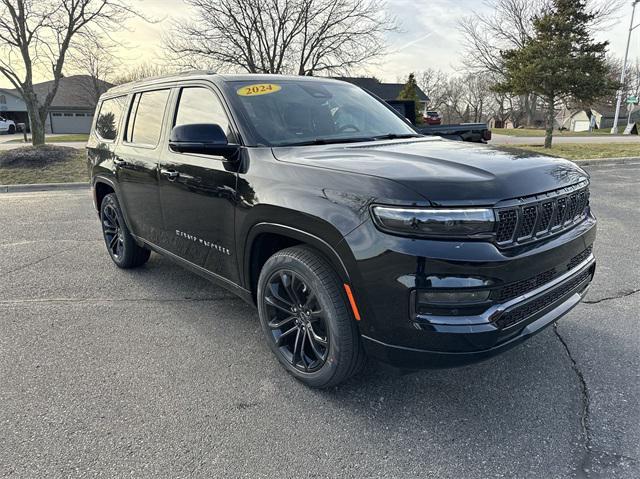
429, 36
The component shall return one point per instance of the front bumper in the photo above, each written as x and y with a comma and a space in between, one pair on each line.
489, 337
389, 270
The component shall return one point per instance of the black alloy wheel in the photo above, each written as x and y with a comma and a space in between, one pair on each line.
297, 321
113, 234
306, 318
121, 245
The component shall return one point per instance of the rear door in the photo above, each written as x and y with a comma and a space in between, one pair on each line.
137, 162
198, 192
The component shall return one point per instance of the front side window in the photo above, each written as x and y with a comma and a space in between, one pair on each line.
108, 120
145, 121
290, 112
200, 105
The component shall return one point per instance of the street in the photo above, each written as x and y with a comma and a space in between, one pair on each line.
157, 373
531, 140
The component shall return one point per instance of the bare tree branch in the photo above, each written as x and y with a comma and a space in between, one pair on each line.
304, 37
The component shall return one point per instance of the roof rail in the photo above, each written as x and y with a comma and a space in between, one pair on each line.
161, 77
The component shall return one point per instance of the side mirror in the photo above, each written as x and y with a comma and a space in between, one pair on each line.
202, 138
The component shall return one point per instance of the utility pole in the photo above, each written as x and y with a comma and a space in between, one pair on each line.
614, 129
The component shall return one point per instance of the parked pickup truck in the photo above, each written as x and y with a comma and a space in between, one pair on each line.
473, 132
353, 235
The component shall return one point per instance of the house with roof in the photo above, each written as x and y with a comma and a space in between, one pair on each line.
71, 110
595, 117
389, 92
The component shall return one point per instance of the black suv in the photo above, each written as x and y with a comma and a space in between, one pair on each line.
352, 234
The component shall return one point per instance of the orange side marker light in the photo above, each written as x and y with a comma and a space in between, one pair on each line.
352, 301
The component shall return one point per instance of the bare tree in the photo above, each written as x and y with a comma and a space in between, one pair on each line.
434, 83
303, 37
36, 36
455, 109
142, 71
478, 96
95, 58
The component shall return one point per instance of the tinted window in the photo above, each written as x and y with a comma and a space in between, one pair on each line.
109, 118
290, 112
145, 121
200, 105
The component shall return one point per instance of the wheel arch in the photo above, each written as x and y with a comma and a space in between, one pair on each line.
102, 185
265, 239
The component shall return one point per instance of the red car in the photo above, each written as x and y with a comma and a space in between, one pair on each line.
433, 118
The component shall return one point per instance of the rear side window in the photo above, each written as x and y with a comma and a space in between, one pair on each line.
200, 105
108, 120
145, 121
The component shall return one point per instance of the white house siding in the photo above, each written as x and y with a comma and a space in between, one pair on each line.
11, 103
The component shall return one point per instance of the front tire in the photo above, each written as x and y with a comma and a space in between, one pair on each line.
306, 320
121, 245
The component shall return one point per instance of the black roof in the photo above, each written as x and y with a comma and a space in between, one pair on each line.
74, 92
386, 91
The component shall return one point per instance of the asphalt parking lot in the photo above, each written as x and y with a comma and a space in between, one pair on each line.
157, 373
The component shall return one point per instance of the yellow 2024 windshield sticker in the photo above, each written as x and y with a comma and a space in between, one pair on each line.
258, 89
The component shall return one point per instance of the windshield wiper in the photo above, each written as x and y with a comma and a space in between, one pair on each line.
396, 136
328, 141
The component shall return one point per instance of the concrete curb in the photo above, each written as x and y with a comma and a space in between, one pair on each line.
43, 187
606, 161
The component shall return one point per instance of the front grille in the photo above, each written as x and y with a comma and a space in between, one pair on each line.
519, 288
507, 221
532, 307
542, 215
579, 258
522, 287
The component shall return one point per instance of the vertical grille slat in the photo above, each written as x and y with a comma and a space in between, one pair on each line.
529, 216
507, 221
545, 217
538, 217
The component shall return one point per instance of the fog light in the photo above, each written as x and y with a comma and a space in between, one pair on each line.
453, 297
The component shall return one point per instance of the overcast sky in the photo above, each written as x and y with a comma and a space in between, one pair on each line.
429, 36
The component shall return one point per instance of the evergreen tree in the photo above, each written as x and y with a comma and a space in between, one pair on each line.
410, 92
561, 62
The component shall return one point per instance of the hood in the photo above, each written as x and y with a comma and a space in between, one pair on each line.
442, 171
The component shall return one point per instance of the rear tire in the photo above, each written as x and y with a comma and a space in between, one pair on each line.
306, 319
12, 129
121, 245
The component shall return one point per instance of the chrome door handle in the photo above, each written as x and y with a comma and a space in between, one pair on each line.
170, 174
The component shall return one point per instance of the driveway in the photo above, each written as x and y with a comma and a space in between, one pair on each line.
158, 373
514, 140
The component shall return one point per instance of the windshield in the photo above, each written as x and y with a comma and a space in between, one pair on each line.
289, 112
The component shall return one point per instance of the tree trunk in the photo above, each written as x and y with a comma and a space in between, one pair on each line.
551, 114
532, 101
37, 132
37, 116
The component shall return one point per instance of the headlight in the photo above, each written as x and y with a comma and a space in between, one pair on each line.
463, 222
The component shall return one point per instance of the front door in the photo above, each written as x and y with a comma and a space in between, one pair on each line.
198, 192
136, 163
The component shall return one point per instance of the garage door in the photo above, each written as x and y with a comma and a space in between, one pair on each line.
65, 122
580, 125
